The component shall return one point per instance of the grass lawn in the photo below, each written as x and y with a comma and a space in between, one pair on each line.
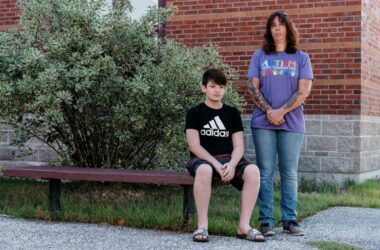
160, 207
332, 245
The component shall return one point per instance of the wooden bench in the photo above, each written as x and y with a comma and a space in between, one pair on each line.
56, 174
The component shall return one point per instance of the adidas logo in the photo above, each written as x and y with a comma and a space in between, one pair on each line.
215, 127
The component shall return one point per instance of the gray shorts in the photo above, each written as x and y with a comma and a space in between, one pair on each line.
193, 164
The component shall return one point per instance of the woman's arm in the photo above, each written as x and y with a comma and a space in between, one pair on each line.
258, 98
304, 88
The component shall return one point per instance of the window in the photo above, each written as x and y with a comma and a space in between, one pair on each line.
139, 6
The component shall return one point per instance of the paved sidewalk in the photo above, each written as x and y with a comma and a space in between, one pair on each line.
356, 226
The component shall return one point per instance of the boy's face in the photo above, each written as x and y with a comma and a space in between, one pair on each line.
214, 92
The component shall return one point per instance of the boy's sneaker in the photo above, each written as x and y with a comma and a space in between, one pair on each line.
292, 228
267, 229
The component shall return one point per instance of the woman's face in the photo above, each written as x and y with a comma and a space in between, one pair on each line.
278, 30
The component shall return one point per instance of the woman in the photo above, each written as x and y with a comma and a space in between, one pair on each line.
279, 78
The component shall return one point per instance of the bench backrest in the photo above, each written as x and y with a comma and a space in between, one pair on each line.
100, 174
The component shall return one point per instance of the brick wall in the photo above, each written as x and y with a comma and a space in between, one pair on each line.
8, 14
370, 57
342, 139
330, 32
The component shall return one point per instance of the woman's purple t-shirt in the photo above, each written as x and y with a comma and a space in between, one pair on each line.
279, 74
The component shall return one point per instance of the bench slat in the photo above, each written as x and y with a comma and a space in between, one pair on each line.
100, 174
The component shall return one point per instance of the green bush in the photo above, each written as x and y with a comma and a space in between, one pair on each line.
99, 88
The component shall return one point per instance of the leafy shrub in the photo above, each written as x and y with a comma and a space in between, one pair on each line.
99, 88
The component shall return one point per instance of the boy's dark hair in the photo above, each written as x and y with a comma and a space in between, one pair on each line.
215, 75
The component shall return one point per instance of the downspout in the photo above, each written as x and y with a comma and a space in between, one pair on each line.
162, 26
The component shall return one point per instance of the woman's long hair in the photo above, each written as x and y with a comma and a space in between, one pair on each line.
291, 34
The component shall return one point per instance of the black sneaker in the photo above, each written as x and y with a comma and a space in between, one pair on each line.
292, 228
267, 229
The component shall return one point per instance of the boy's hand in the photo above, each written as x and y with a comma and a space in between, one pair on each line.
228, 172
219, 170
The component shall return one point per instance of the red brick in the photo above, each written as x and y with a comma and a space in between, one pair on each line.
318, 32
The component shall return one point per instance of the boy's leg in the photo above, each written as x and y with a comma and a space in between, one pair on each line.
251, 178
202, 193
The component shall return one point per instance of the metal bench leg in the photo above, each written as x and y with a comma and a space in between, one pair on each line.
188, 204
54, 196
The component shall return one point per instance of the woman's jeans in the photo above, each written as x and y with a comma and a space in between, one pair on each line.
269, 143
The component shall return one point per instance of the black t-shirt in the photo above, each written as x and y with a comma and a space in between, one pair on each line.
215, 127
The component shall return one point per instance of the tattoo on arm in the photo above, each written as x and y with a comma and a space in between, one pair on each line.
258, 96
292, 100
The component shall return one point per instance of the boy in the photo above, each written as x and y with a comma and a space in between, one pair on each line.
214, 134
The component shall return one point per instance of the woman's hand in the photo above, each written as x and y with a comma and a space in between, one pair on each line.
276, 116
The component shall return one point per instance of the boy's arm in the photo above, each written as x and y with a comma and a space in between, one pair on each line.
192, 138
238, 151
237, 154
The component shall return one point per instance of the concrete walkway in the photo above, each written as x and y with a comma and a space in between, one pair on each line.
356, 226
